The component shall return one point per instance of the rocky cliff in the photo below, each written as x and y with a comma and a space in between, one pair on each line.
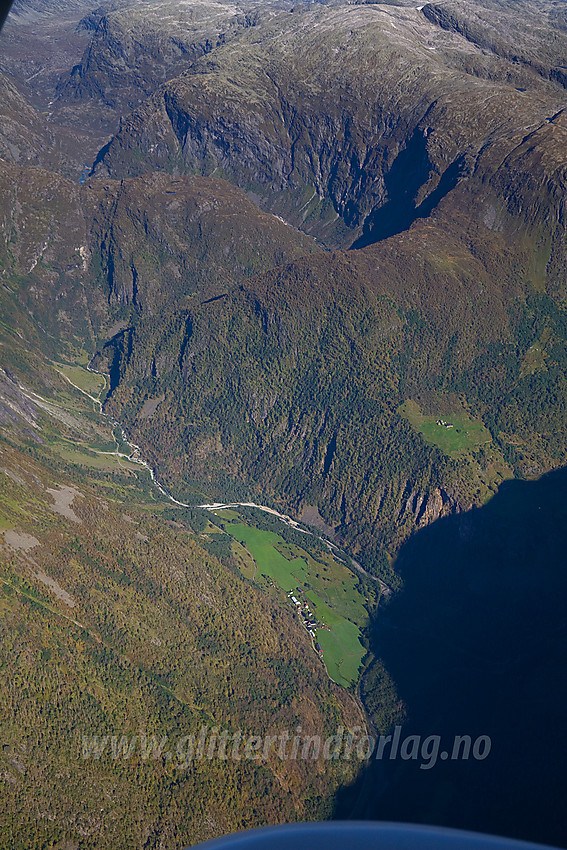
304, 376
345, 120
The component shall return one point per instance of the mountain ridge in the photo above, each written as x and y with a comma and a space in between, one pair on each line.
320, 262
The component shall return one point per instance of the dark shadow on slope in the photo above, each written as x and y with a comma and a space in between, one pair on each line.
4, 9
409, 171
116, 354
477, 645
100, 156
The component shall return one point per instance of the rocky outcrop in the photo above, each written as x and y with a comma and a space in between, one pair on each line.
136, 47
133, 247
31, 10
24, 137
283, 367
322, 116
535, 38
425, 506
159, 241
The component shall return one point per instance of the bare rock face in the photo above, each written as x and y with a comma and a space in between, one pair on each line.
24, 138
346, 120
433, 505
135, 47
425, 505
34, 9
531, 35
192, 262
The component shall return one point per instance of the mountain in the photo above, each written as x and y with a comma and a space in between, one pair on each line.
322, 383
322, 114
137, 46
40, 42
121, 629
314, 254
386, 343
32, 9
469, 151
24, 138
118, 618
121, 614
116, 248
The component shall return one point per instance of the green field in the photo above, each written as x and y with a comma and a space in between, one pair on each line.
89, 382
246, 563
330, 586
81, 456
271, 563
342, 649
342, 652
100, 445
227, 513
466, 433
335, 584
535, 356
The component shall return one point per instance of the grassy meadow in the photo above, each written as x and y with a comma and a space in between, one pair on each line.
465, 435
334, 592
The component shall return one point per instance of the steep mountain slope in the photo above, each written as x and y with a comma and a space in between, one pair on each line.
372, 391
363, 116
157, 242
26, 9
134, 49
532, 35
335, 365
114, 248
116, 618
297, 384
314, 385
40, 43
23, 136
117, 621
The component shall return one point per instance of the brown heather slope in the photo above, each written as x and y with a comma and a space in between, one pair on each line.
115, 620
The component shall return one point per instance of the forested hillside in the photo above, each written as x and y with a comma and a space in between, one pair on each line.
309, 256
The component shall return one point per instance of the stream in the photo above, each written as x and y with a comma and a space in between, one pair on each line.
136, 457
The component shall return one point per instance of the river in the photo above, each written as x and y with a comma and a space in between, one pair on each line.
136, 457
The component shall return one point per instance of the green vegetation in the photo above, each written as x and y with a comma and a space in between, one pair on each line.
244, 561
290, 567
342, 652
277, 372
122, 620
453, 433
336, 584
89, 382
227, 513
102, 461
340, 642
271, 563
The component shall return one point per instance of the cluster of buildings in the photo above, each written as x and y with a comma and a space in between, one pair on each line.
445, 424
309, 619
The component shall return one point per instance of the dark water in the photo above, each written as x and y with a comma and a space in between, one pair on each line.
477, 644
